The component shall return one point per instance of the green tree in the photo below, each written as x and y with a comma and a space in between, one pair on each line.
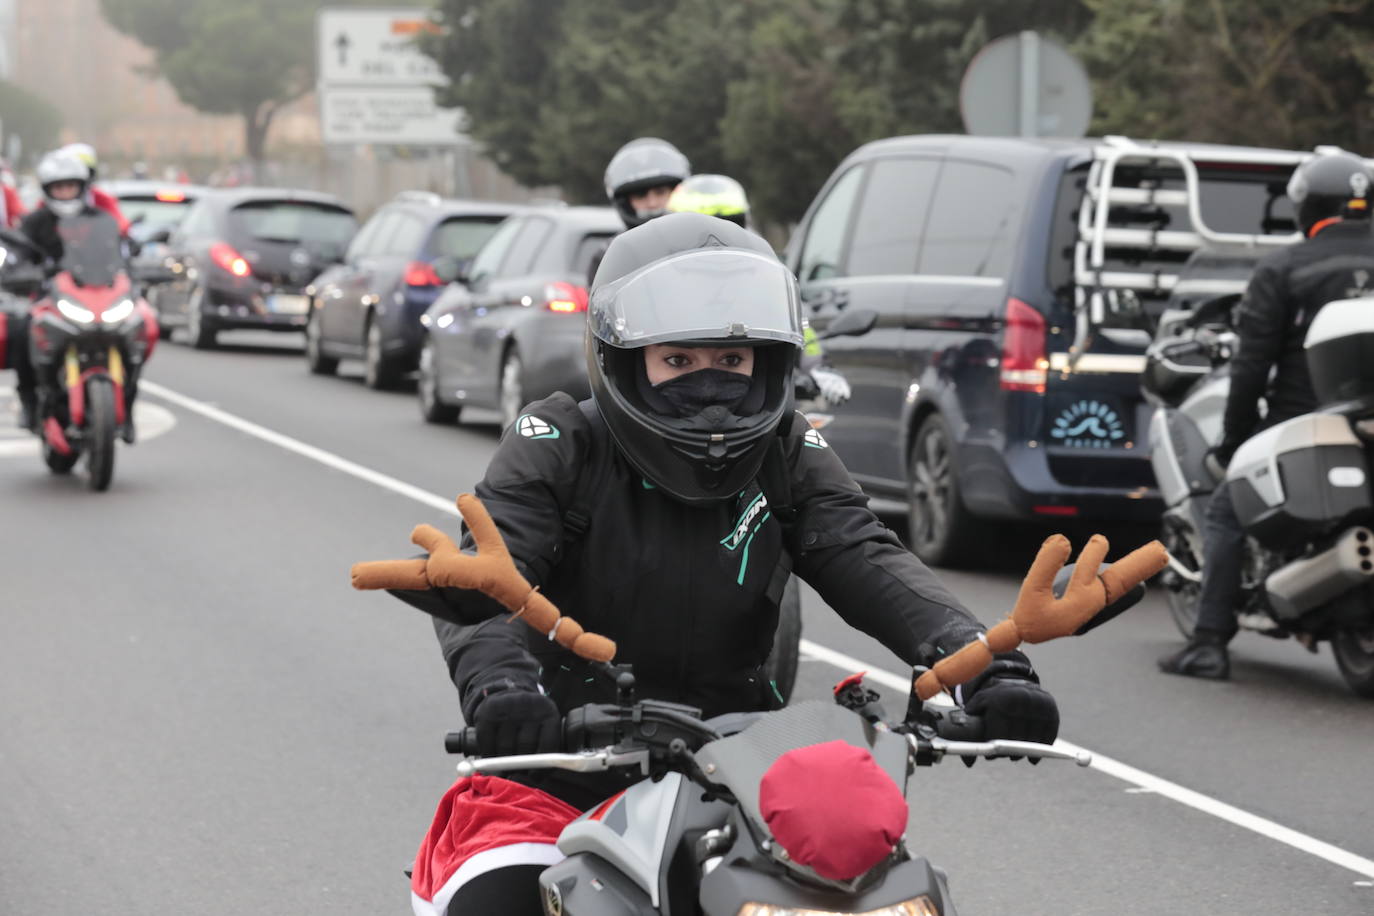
246, 57
30, 117
496, 54
1288, 73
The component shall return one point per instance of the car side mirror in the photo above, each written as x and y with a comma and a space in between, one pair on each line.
451, 270
851, 324
161, 235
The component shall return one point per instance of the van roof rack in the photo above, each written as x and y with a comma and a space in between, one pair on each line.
1123, 253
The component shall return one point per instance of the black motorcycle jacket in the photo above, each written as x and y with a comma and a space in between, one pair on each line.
1287, 290
689, 593
40, 225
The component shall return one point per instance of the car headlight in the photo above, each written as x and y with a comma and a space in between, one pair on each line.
917, 906
120, 312
74, 312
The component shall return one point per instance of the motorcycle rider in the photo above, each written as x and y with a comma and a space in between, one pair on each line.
65, 180
98, 198
11, 207
1335, 260
665, 513
639, 180
724, 197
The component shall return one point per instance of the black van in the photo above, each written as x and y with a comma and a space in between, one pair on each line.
1015, 283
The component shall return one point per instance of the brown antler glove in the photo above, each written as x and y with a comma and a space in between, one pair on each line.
491, 571
1039, 616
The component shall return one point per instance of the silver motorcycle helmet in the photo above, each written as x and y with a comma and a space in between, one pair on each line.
62, 166
639, 165
694, 281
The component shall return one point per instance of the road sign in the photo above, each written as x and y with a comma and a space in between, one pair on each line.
403, 115
374, 47
1025, 85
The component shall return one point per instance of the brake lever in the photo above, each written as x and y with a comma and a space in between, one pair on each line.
585, 762
940, 747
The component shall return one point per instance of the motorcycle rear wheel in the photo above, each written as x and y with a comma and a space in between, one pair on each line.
100, 434
1354, 651
57, 462
1182, 594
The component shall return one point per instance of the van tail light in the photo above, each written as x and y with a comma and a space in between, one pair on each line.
1059, 511
421, 273
228, 259
1024, 363
565, 298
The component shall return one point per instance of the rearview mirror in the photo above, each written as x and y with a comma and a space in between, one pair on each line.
450, 269
851, 324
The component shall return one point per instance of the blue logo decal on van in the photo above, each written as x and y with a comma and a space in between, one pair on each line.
1088, 424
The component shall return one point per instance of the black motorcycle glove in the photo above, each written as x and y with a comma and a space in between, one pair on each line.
1010, 701
516, 721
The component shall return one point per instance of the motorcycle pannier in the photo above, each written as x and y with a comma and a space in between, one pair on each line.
1300, 479
1340, 350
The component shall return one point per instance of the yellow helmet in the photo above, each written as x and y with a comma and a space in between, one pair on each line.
713, 195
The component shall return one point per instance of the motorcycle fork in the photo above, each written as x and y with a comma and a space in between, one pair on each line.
76, 381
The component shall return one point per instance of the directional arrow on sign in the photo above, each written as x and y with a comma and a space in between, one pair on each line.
342, 44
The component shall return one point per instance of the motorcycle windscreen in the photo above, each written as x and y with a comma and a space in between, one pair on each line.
91, 248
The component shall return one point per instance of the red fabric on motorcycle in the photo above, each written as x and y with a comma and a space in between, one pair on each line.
832, 808
483, 823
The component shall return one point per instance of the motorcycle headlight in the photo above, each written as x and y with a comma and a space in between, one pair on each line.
917, 906
73, 312
120, 312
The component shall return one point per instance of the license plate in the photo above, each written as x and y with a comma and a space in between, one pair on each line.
1087, 422
288, 305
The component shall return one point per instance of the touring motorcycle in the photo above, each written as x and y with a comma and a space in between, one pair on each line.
89, 334
1301, 488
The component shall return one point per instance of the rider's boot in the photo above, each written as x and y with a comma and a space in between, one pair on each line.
28, 410
1204, 656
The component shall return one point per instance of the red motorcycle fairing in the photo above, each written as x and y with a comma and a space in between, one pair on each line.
95, 298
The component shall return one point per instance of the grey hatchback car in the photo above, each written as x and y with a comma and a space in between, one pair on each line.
511, 330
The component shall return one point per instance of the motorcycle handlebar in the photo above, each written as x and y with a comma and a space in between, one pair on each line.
462, 742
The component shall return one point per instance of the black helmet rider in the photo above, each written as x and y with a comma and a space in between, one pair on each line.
1333, 185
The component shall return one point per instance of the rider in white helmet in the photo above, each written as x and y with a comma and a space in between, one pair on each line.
107, 202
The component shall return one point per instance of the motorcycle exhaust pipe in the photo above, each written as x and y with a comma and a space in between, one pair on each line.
1307, 584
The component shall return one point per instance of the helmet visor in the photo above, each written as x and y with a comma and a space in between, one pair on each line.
714, 294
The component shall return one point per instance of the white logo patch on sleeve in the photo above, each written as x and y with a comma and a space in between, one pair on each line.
813, 438
532, 427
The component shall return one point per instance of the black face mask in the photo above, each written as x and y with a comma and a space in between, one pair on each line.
717, 390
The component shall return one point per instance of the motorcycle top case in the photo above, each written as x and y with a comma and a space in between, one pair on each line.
1340, 350
1299, 479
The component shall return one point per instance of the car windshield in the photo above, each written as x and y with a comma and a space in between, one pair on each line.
460, 238
291, 222
91, 248
150, 214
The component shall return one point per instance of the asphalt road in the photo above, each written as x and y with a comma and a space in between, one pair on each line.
198, 715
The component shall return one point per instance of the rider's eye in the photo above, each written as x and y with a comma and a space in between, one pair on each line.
731, 360
676, 360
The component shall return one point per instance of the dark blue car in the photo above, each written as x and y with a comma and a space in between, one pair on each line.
369, 306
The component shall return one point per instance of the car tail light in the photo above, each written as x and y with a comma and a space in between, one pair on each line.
1062, 511
1024, 363
565, 297
421, 273
226, 257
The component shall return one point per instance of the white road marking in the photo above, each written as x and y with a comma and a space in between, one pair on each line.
846, 663
153, 421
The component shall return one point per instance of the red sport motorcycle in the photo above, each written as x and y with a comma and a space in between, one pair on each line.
89, 333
